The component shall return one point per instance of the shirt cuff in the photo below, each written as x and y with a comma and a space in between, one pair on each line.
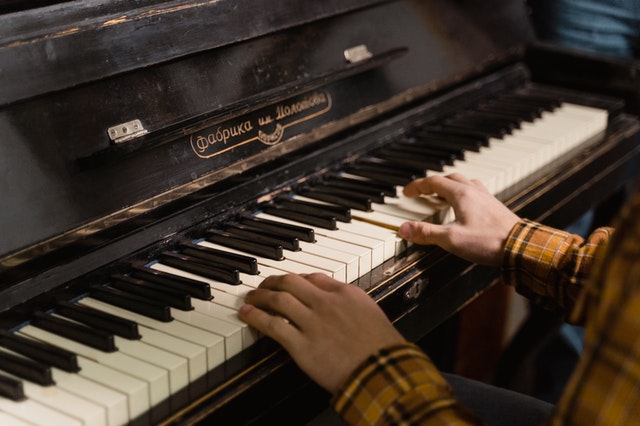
545, 264
395, 384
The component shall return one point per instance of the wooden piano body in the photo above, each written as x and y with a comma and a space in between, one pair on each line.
129, 127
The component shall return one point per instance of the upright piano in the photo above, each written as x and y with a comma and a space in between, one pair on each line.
159, 158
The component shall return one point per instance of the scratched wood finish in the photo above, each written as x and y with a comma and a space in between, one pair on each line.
62, 46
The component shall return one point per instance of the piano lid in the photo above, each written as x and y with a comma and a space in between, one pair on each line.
112, 111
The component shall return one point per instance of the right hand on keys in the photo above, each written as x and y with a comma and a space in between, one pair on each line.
482, 222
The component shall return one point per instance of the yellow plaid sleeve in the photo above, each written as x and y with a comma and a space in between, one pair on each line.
605, 386
550, 266
399, 386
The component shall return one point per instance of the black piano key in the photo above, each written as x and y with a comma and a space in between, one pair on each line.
447, 156
449, 133
197, 289
360, 199
286, 241
325, 222
26, 369
225, 239
300, 232
39, 351
544, 102
338, 188
101, 320
379, 187
474, 130
510, 121
443, 145
453, 143
522, 109
342, 214
415, 172
401, 169
152, 291
377, 174
240, 262
89, 336
200, 267
412, 159
490, 125
522, 114
343, 199
133, 303
11, 388
372, 174
393, 170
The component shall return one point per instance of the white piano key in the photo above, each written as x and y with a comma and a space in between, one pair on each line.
349, 260
338, 247
232, 333
285, 265
363, 253
156, 377
496, 158
418, 209
226, 287
112, 403
58, 399
375, 245
195, 355
524, 153
136, 390
209, 308
546, 148
337, 269
228, 300
595, 118
34, 412
212, 342
7, 419
393, 244
115, 403
253, 281
175, 366
378, 218
430, 207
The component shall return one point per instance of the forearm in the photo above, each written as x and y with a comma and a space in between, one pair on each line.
399, 384
548, 265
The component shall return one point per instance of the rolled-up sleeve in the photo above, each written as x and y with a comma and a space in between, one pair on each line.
399, 385
550, 266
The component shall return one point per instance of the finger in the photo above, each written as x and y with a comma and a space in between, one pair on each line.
478, 184
297, 285
278, 328
423, 233
323, 281
443, 186
280, 303
458, 177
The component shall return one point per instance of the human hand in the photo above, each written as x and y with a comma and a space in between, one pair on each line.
482, 223
327, 326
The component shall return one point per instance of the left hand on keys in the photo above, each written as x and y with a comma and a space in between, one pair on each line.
328, 327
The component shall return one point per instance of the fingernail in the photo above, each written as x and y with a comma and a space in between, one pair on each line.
405, 230
245, 309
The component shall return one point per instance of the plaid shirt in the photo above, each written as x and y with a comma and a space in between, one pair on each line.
400, 385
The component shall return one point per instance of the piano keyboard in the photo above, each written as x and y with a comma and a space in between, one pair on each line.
135, 349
